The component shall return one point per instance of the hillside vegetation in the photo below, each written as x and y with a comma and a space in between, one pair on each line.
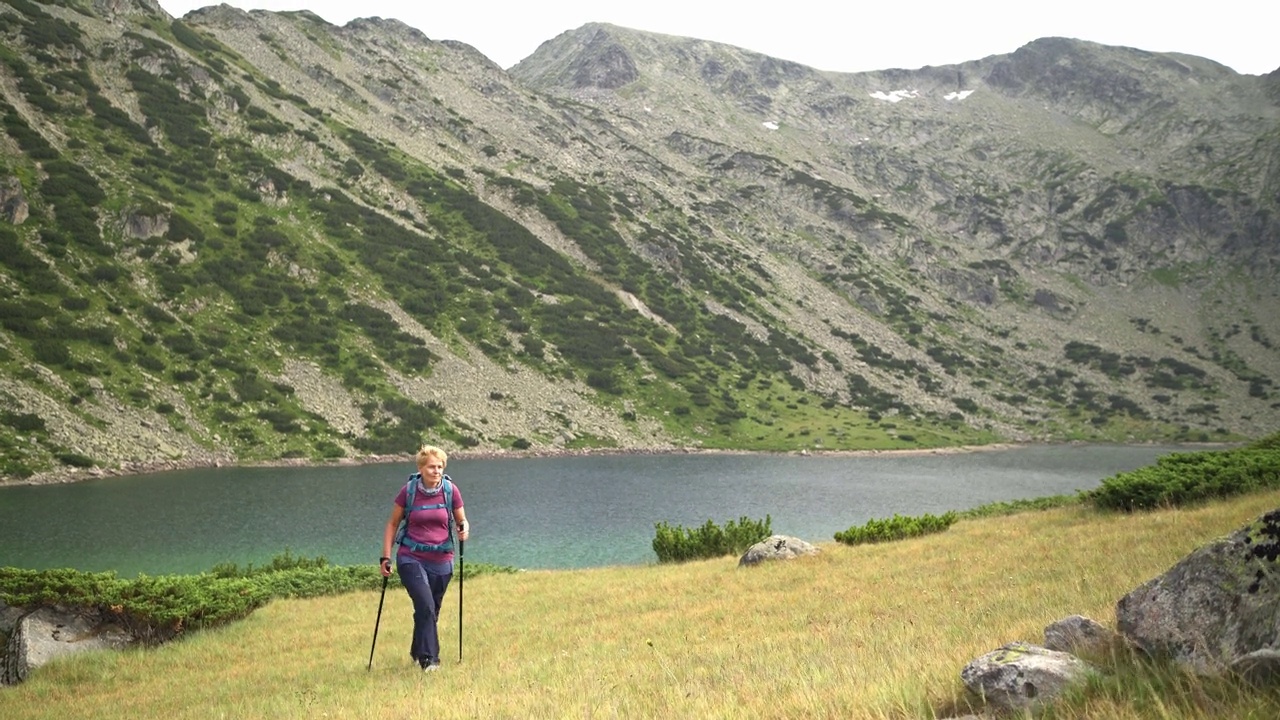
258, 237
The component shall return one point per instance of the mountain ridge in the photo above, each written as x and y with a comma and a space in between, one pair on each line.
329, 242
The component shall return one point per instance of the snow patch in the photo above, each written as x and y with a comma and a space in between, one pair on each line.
770, 124
896, 95
900, 95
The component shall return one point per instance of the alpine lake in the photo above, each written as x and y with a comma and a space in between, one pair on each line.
543, 512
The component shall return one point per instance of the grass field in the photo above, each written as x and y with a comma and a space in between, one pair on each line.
872, 631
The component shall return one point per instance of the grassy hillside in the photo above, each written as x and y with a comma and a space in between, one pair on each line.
878, 631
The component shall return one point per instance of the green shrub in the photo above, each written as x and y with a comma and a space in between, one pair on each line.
1183, 478
1270, 442
76, 460
1013, 507
16, 469
23, 422
51, 351
329, 450
677, 544
155, 609
160, 608
897, 527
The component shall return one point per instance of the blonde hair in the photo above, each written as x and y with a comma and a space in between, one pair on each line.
429, 451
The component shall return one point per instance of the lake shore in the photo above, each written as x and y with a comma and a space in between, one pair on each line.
72, 474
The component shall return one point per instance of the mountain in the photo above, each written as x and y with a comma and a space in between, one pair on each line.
255, 236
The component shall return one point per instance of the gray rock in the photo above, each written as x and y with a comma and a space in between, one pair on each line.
1078, 634
1260, 666
48, 633
13, 203
776, 547
9, 616
1216, 607
1020, 675
137, 225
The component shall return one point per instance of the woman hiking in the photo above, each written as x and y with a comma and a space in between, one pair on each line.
422, 519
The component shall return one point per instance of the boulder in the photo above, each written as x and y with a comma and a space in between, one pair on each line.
13, 203
48, 633
776, 547
9, 616
1078, 634
138, 225
1216, 610
1021, 676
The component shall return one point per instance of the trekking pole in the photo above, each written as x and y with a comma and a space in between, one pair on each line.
462, 552
378, 621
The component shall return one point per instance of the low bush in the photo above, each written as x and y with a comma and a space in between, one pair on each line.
23, 422
75, 459
154, 609
1184, 478
898, 527
674, 543
1013, 507
159, 608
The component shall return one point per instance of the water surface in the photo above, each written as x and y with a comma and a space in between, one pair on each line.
531, 512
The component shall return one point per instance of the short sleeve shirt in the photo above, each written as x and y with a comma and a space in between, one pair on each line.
431, 526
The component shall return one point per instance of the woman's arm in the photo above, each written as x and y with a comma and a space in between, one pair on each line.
464, 527
388, 537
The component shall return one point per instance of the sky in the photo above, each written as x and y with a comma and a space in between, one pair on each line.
834, 35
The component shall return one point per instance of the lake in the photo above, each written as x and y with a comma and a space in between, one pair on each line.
557, 512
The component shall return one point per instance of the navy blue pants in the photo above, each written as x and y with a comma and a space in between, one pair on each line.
426, 583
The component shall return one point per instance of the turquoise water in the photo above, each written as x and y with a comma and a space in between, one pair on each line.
530, 513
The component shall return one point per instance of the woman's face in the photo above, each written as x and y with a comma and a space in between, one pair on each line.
432, 469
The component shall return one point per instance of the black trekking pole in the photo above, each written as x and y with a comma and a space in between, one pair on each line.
378, 621
462, 551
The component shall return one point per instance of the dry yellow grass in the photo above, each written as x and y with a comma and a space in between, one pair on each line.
877, 631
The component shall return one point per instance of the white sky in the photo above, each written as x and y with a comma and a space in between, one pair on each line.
834, 35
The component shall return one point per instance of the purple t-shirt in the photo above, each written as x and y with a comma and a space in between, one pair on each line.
429, 527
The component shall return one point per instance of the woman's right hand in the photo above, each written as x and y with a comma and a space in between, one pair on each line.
384, 564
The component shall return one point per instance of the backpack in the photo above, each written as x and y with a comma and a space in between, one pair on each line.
411, 490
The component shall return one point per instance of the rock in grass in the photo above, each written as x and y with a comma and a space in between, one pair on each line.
1216, 610
776, 547
1020, 675
48, 633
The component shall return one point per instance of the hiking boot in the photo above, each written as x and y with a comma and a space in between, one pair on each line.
428, 666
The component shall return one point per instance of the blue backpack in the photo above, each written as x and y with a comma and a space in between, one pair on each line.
411, 490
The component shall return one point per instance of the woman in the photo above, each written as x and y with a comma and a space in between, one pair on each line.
427, 505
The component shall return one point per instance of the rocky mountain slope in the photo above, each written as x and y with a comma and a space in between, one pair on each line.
254, 236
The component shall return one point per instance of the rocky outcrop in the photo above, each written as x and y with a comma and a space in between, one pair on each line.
609, 68
49, 633
776, 547
1215, 610
13, 203
142, 226
114, 8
